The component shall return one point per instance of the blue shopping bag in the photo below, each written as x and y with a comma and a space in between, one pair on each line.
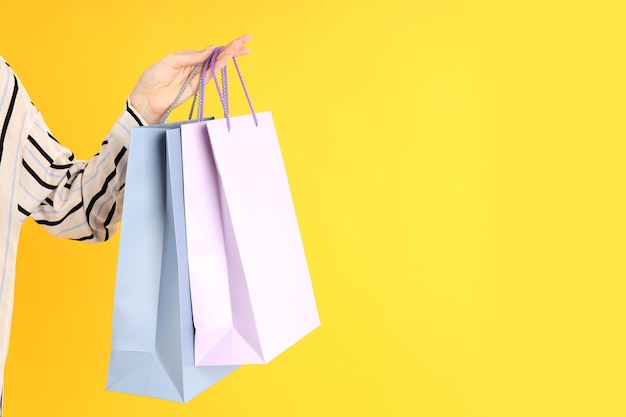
153, 334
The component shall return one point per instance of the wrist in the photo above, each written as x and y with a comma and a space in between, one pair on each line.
140, 104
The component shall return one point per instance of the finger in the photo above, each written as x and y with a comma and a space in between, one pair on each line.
223, 57
240, 41
237, 46
190, 57
228, 53
241, 51
233, 49
222, 60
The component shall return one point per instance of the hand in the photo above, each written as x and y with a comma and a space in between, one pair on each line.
159, 85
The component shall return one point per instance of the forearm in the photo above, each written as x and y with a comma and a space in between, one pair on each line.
73, 198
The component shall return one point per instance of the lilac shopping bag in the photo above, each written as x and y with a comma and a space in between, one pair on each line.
251, 290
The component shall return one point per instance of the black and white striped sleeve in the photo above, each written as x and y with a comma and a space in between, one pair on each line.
75, 199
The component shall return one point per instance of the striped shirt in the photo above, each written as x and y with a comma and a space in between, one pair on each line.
39, 178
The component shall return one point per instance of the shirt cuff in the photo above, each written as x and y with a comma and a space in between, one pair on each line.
129, 119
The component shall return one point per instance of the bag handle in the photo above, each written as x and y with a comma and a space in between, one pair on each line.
223, 93
199, 96
180, 94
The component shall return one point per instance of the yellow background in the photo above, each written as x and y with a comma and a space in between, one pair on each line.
457, 169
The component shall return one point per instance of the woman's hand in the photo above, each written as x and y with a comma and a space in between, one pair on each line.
159, 85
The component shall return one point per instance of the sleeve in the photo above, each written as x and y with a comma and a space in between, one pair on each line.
71, 198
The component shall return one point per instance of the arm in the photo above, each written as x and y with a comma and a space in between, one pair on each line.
72, 198
83, 199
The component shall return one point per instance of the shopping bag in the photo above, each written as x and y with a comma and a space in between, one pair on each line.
152, 341
251, 290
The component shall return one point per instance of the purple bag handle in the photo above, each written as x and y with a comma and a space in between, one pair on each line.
223, 92
202, 86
